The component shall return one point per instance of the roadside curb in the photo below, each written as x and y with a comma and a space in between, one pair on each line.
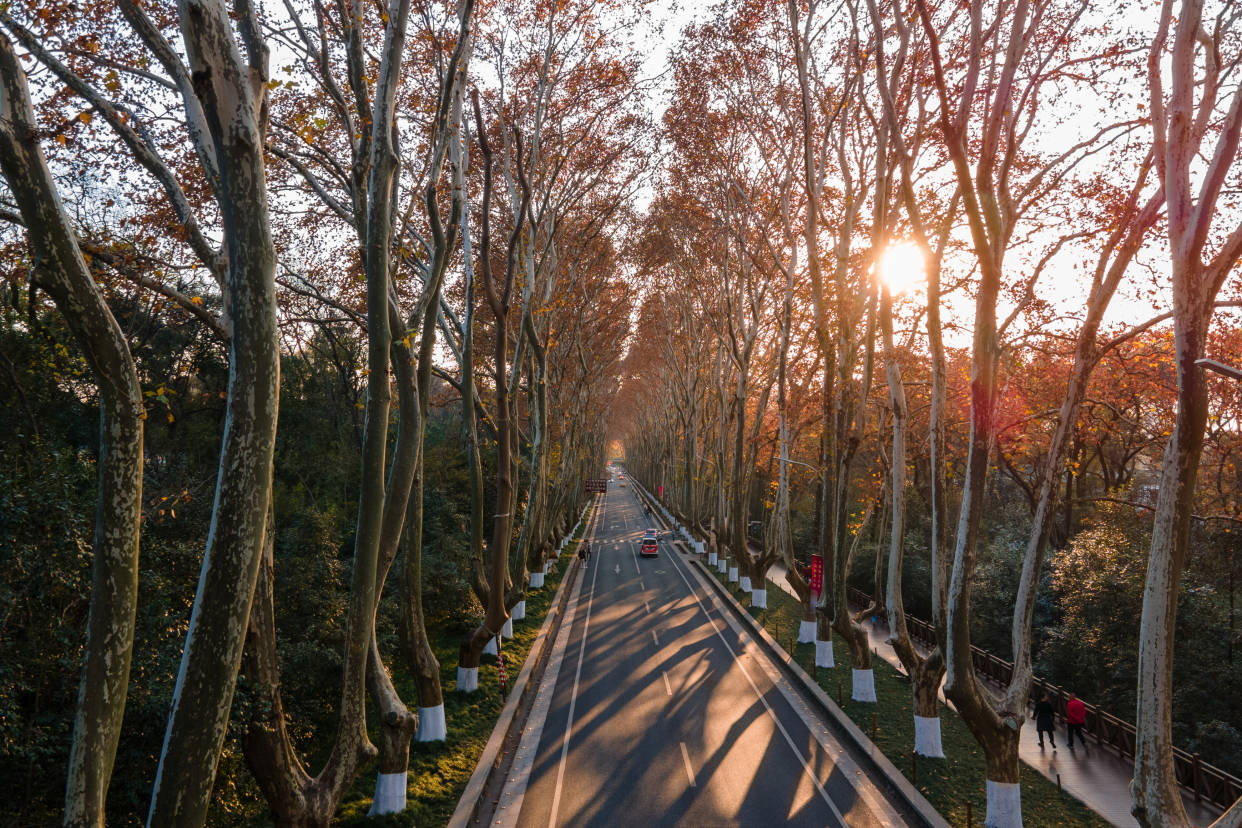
467, 811
865, 750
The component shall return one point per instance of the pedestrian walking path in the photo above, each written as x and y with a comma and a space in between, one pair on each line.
1093, 774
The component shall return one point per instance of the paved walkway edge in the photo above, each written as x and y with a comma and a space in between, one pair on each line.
866, 750
490, 760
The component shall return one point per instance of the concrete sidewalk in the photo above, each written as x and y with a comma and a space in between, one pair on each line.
1094, 774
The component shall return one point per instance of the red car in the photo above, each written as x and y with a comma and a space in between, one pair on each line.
650, 547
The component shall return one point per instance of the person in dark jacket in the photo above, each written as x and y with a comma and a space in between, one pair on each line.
1043, 721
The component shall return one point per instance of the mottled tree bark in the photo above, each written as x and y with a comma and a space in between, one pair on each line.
1179, 126
233, 95
61, 270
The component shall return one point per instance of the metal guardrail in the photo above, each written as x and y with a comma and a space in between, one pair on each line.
1207, 783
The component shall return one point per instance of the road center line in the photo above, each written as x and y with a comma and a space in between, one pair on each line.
685, 755
667, 687
654, 638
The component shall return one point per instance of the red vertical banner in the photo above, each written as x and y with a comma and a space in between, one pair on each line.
661, 492
817, 574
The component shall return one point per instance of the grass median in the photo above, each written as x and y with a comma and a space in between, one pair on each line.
439, 771
949, 784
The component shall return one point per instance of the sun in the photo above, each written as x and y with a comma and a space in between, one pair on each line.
903, 268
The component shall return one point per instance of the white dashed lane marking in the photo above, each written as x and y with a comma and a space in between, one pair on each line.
685, 755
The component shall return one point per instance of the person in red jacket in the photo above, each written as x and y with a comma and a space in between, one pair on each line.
1075, 718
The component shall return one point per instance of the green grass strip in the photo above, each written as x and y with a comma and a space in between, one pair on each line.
947, 783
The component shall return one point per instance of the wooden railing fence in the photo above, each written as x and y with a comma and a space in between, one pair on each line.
1207, 783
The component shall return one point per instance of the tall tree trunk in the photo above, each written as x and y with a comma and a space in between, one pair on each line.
62, 271
925, 673
233, 94
421, 658
850, 427
1179, 128
499, 297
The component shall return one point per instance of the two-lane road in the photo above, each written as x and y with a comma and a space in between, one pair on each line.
657, 710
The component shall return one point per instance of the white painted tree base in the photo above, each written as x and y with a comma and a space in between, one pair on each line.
759, 598
431, 724
389, 794
823, 654
733, 574
744, 583
467, 679
698, 547
721, 565
519, 614
864, 685
1004, 805
536, 580
490, 647
806, 632
927, 737
711, 558
507, 630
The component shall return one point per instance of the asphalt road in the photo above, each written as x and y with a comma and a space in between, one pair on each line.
655, 710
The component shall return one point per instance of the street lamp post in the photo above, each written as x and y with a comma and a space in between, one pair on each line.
823, 473
1220, 368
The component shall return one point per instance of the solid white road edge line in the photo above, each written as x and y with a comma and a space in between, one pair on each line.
573, 702
881, 809
685, 755
513, 794
758, 694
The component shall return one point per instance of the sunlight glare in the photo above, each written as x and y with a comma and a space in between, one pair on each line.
902, 268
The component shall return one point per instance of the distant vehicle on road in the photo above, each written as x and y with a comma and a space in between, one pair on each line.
650, 547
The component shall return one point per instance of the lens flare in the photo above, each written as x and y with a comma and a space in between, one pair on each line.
903, 268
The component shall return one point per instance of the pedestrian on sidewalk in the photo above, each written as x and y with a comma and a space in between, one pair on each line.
1075, 718
1043, 721
584, 550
